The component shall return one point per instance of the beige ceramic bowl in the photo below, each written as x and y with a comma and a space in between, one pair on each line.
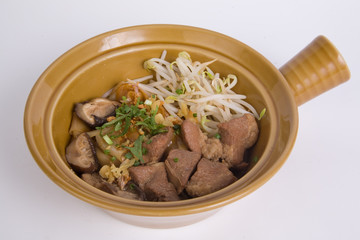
96, 65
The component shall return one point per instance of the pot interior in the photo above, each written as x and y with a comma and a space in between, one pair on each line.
95, 66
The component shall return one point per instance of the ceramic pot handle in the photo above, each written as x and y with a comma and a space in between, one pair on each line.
315, 69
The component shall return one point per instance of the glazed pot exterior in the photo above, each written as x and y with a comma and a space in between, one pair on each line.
96, 65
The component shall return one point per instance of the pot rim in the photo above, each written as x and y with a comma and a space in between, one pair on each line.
97, 197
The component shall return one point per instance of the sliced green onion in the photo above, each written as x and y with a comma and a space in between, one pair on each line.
107, 139
217, 135
113, 159
194, 114
118, 126
176, 159
179, 91
148, 102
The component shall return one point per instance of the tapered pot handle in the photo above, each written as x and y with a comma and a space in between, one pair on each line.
315, 69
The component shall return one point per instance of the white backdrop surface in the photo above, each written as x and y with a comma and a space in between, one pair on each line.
316, 193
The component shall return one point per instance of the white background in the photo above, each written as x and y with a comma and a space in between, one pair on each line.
314, 196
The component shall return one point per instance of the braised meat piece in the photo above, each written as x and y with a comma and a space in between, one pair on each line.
157, 146
209, 177
159, 189
152, 179
237, 135
192, 135
180, 164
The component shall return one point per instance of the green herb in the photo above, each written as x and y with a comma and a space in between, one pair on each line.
217, 135
179, 91
132, 186
177, 129
144, 151
113, 159
136, 150
149, 141
150, 124
125, 115
153, 96
124, 98
262, 113
118, 126
107, 139
255, 159
128, 155
137, 163
194, 114
107, 151
176, 159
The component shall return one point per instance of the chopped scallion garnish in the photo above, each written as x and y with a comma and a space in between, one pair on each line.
148, 102
179, 91
107, 139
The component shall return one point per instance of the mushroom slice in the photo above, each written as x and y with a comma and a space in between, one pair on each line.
80, 154
96, 111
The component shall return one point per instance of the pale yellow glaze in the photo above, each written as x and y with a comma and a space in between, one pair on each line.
94, 66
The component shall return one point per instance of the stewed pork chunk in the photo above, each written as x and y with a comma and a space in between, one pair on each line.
237, 135
209, 177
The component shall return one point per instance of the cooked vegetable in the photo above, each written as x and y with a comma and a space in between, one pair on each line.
181, 135
96, 112
187, 86
80, 154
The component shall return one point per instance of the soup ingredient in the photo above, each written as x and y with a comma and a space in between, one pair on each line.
180, 164
209, 177
78, 126
152, 179
237, 135
80, 154
192, 135
156, 146
96, 112
182, 135
192, 90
